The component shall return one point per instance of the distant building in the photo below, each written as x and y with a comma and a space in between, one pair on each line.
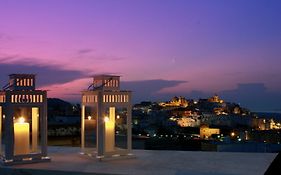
260, 124
189, 122
176, 102
215, 99
206, 132
227, 120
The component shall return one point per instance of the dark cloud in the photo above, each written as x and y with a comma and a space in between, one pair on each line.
189, 95
148, 89
103, 57
254, 96
197, 94
46, 74
17, 59
84, 51
92, 55
5, 37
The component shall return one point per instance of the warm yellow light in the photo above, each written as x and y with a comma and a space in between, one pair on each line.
106, 119
232, 134
89, 117
21, 120
21, 137
118, 116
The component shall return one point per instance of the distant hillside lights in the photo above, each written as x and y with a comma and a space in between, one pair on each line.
189, 122
215, 99
274, 125
175, 102
265, 124
183, 102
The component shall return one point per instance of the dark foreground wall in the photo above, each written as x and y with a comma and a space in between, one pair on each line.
275, 166
13, 171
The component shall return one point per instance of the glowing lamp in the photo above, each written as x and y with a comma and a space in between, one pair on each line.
106, 119
107, 136
21, 120
21, 137
23, 112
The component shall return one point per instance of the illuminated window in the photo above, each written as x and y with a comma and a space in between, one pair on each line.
18, 82
16, 98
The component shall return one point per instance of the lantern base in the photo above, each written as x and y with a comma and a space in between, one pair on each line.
24, 161
116, 157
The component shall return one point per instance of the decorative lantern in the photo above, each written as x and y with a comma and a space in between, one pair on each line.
106, 119
23, 121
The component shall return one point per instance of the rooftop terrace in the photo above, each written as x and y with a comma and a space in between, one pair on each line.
67, 160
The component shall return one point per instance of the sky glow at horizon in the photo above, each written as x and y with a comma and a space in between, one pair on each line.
208, 46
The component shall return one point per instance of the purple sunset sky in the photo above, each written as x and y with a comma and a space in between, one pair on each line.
161, 48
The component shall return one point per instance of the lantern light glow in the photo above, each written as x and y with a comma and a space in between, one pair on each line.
21, 120
106, 119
